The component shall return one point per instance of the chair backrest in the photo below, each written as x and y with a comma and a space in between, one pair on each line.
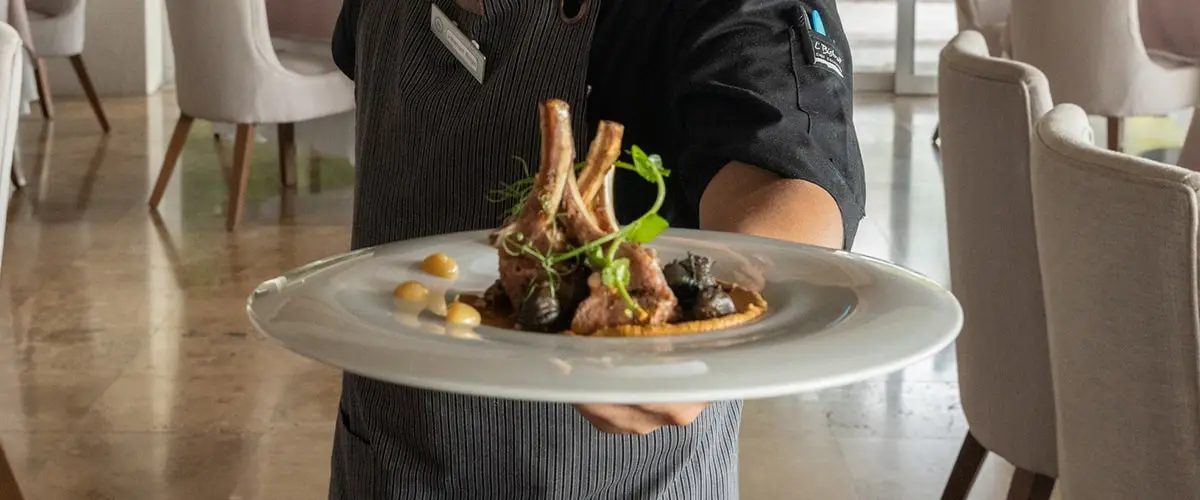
53, 8
11, 54
220, 46
973, 15
307, 20
1091, 50
1117, 238
988, 107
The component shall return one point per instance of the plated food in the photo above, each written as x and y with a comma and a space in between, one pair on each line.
567, 266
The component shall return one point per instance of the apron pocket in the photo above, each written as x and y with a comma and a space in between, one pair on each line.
352, 474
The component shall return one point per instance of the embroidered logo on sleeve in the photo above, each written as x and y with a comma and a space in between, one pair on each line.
825, 54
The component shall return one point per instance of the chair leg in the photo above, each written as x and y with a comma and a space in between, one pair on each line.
287, 154
1115, 133
243, 145
86, 82
9, 489
966, 468
43, 87
17, 174
1028, 485
174, 149
314, 173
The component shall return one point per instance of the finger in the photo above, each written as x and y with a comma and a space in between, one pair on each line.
620, 419
675, 414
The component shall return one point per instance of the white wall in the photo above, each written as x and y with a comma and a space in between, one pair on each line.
125, 51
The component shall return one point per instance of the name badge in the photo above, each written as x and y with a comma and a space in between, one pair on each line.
462, 47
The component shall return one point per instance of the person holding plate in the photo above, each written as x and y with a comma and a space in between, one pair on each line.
748, 103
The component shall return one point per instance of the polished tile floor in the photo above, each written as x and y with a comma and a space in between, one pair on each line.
128, 369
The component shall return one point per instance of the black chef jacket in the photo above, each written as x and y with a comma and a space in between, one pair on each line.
706, 82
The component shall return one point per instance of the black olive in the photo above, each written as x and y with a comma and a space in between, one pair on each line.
713, 303
573, 288
688, 276
540, 311
496, 298
702, 271
679, 278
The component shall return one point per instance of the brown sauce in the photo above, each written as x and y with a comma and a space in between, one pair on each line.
749, 305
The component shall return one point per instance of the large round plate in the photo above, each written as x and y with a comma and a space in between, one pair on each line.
834, 318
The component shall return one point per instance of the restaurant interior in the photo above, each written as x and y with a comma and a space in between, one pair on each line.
1032, 157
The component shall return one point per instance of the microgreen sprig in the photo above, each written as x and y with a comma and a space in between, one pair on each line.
615, 271
601, 254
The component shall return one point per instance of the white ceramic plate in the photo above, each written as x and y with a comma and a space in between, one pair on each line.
834, 318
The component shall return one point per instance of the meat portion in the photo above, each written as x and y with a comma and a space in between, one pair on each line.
535, 227
589, 218
606, 308
595, 181
566, 211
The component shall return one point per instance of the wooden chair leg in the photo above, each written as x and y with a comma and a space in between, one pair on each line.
174, 149
86, 82
966, 468
9, 489
242, 147
1028, 485
1115, 133
287, 154
43, 87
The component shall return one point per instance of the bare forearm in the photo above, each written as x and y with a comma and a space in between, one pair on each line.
745, 199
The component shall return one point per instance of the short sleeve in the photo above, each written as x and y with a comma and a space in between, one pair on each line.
345, 32
753, 81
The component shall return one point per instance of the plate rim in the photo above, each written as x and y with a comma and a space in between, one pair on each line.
951, 322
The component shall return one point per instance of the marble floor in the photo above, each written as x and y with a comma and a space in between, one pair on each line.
128, 369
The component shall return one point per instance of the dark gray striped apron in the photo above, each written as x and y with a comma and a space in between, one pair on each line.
431, 142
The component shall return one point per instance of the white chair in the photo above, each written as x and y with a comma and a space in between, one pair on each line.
228, 71
1093, 53
989, 106
1117, 240
58, 30
10, 99
989, 18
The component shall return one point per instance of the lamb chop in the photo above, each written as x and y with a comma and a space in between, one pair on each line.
535, 225
564, 212
589, 217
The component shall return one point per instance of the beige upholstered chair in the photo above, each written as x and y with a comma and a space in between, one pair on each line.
1093, 54
988, 107
988, 17
307, 20
228, 71
57, 27
10, 97
1117, 238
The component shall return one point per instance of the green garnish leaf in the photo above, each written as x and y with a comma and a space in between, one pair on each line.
645, 229
616, 273
650, 167
596, 259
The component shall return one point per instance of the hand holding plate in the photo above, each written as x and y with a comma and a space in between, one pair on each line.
639, 419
